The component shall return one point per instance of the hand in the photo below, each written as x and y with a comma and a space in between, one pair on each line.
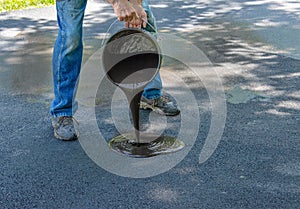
131, 12
123, 9
141, 19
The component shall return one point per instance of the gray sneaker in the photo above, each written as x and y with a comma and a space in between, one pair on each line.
65, 128
162, 105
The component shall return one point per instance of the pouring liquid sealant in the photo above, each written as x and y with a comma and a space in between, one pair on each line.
133, 96
140, 144
131, 59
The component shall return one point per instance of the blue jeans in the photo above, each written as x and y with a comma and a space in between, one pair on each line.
67, 57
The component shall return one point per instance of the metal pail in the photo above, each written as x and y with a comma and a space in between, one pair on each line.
131, 57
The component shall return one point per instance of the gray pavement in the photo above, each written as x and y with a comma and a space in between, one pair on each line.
254, 49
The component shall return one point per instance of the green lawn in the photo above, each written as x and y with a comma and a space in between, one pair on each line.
8, 5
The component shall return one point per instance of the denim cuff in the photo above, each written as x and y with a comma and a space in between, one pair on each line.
152, 93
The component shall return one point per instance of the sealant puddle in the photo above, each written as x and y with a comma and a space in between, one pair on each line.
150, 146
237, 95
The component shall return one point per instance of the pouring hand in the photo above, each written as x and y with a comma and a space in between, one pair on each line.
123, 9
130, 11
141, 19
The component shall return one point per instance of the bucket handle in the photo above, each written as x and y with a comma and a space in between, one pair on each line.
116, 20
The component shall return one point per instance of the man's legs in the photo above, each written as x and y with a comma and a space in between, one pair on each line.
153, 97
66, 63
154, 89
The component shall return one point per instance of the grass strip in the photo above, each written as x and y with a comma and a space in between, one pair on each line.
9, 5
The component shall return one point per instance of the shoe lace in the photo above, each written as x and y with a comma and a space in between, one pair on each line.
162, 100
67, 120
165, 98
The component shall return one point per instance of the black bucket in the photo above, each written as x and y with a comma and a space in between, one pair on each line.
131, 58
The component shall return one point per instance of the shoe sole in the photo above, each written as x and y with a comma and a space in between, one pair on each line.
145, 106
57, 136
